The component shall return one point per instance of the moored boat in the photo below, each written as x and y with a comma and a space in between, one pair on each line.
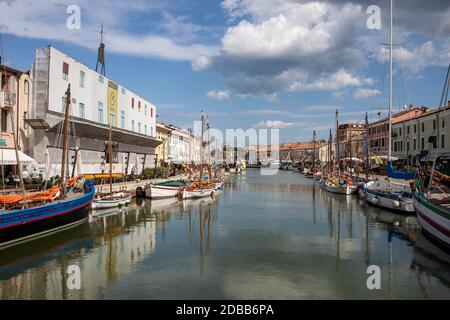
433, 211
194, 193
388, 195
163, 190
116, 199
337, 188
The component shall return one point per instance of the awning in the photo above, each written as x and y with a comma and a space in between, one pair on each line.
93, 130
436, 155
8, 157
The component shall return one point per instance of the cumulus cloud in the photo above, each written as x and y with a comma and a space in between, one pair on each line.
365, 93
33, 19
274, 124
280, 46
219, 95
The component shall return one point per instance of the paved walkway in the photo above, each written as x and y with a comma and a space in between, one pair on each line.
133, 185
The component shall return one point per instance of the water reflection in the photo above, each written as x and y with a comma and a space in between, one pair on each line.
261, 237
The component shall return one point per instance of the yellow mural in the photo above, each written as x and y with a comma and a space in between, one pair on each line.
112, 103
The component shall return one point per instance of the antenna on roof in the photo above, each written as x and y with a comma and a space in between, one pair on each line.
101, 54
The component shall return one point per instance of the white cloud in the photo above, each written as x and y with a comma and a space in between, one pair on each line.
364, 93
219, 95
32, 19
200, 63
274, 124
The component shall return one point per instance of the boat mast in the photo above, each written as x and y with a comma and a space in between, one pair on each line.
337, 140
201, 154
65, 135
330, 161
314, 149
110, 159
209, 149
367, 147
390, 82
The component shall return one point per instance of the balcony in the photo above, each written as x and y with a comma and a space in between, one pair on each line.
7, 99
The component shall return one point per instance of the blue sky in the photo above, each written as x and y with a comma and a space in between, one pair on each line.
284, 64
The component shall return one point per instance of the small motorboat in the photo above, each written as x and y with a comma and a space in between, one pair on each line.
194, 193
335, 186
388, 195
163, 190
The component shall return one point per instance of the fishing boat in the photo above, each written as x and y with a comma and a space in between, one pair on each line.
29, 216
163, 190
203, 187
387, 194
431, 197
332, 185
113, 198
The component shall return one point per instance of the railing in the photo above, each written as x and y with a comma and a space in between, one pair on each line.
7, 99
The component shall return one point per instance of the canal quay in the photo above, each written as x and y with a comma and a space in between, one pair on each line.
261, 237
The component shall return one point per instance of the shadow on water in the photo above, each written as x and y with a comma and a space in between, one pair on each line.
261, 237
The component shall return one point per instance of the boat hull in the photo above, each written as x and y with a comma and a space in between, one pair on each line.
114, 203
161, 192
434, 221
29, 224
197, 193
346, 190
387, 201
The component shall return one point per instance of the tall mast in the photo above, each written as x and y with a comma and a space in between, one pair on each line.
367, 147
201, 153
390, 81
110, 159
65, 137
330, 161
337, 138
314, 149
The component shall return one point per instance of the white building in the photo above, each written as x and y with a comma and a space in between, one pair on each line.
97, 102
179, 146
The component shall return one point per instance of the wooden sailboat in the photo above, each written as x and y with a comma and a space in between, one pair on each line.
111, 199
335, 182
164, 190
431, 198
26, 217
385, 193
200, 188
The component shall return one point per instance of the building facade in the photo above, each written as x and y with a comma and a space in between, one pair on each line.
97, 103
163, 133
179, 146
15, 101
426, 135
378, 130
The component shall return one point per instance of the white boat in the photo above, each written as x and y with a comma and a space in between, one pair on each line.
194, 193
434, 214
117, 199
163, 190
388, 195
338, 189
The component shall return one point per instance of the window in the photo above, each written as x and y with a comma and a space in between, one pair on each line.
434, 124
122, 119
443, 122
100, 112
423, 127
151, 131
26, 87
395, 146
407, 129
407, 146
82, 110
63, 105
145, 129
423, 144
442, 141
139, 127
132, 125
434, 142
414, 145
82, 77
139, 106
100, 79
145, 111
65, 71
25, 124
399, 131
132, 103
415, 128
112, 117
151, 112
382, 142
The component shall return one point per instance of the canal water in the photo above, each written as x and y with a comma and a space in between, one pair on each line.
262, 237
